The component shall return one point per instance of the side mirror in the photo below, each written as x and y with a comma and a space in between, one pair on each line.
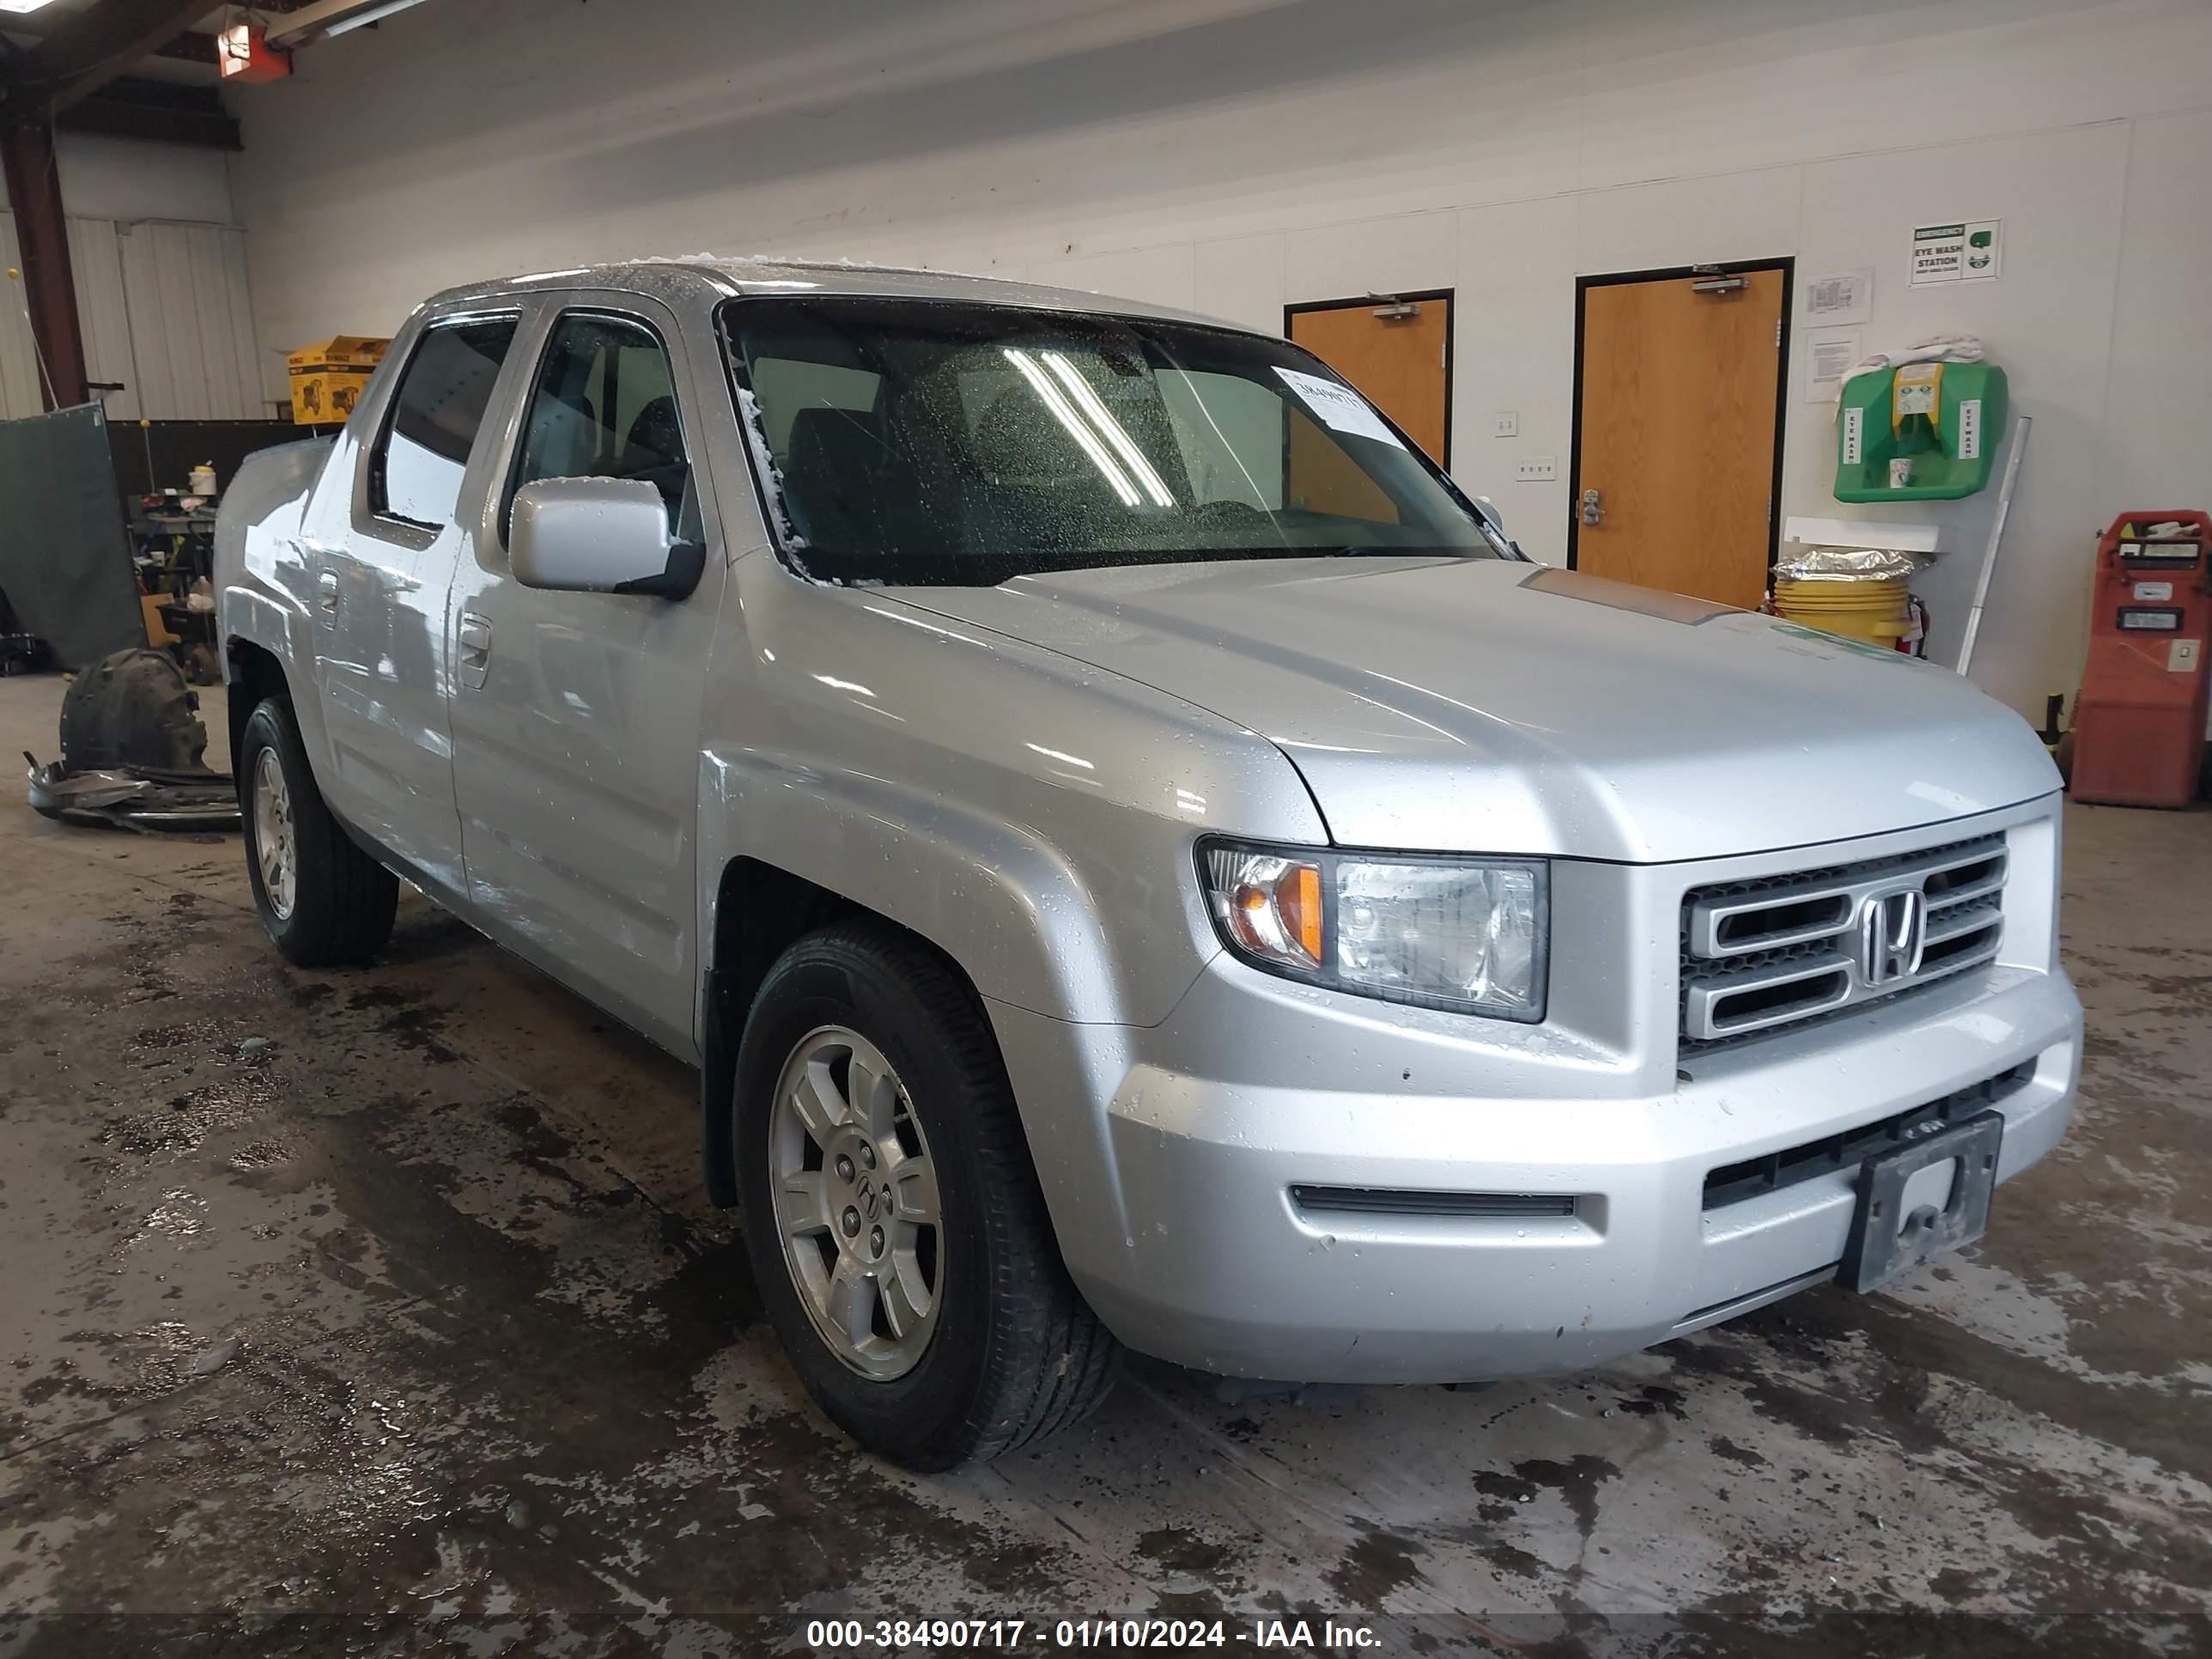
1493, 526
599, 535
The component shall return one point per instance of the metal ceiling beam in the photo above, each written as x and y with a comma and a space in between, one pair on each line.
186, 48
89, 50
128, 108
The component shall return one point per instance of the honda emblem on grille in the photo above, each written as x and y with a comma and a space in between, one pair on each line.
1892, 934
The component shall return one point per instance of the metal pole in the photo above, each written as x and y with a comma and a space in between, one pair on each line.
1997, 534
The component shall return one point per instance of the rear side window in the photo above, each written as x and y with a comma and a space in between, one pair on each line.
416, 472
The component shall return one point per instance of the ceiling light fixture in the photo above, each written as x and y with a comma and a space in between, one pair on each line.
374, 15
326, 19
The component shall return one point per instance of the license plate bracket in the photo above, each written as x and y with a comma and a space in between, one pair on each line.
1883, 1243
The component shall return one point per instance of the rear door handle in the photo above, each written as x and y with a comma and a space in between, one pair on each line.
1593, 508
475, 635
326, 592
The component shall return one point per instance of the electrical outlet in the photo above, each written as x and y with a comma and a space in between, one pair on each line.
1508, 423
1540, 470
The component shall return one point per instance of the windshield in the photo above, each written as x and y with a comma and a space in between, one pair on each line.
924, 440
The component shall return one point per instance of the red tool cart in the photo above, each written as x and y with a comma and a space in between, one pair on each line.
2139, 723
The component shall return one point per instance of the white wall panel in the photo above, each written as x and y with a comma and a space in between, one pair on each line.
1514, 348
249, 400
165, 311
1241, 278
1370, 256
104, 312
2158, 397
1688, 222
20, 391
125, 180
1163, 275
185, 288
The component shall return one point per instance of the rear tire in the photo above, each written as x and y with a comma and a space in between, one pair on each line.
1009, 1351
323, 900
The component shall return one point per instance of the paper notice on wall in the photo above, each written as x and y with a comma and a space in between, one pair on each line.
1828, 358
1836, 297
1339, 406
1972, 251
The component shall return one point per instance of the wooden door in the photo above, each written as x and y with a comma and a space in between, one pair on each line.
1680, 397
1396, 351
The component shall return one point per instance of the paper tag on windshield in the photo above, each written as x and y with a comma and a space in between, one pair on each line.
1339, 406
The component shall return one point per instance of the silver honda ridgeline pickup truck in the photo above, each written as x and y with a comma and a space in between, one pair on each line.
1136, 855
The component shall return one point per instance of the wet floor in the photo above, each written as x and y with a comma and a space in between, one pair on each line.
379, 1311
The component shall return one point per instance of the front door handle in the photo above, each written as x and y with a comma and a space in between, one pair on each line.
326, 592
475, 633
1593, 508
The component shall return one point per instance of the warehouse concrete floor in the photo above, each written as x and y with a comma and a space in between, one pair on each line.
380, 1309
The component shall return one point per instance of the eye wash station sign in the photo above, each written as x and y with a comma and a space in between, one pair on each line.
1972, 251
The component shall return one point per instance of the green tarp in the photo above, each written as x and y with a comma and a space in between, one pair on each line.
64, 553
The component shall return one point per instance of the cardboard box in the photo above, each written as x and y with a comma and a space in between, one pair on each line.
329, 376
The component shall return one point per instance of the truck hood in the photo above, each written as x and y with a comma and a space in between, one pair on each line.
1482, 706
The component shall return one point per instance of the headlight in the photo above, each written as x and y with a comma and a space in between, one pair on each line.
1446, 933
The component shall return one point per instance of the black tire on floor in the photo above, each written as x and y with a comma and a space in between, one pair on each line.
1016, 1352
344, 900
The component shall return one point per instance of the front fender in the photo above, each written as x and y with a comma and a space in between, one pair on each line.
997, 898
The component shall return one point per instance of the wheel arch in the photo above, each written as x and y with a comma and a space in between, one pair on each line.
251, 674
988, 892
760, 911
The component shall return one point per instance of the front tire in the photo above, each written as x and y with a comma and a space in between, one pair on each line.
323, 900
891, 1213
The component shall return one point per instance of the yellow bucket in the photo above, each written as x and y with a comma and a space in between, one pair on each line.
1876, 612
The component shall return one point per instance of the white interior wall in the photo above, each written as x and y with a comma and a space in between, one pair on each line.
127, 178
1237, 154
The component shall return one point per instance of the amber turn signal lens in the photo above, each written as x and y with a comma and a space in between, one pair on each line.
1270, 906
1299, 896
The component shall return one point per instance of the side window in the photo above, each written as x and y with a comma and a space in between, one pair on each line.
416, 470
605, 407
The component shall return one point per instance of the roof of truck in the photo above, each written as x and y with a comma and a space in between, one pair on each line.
709, 276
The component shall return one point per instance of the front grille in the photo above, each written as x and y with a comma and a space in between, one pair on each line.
1782, 951
1732, 1183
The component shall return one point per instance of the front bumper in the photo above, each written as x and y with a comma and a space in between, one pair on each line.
1180, 1225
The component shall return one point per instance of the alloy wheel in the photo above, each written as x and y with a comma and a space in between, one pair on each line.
857, 1203
274, 844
